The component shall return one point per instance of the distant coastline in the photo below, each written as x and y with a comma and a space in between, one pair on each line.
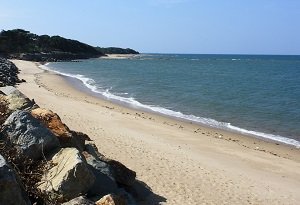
23, 45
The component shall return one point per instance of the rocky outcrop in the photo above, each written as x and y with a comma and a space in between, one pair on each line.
111, 199
8, 73
67, 137
35, 137
30, 136
11, 192
69, 177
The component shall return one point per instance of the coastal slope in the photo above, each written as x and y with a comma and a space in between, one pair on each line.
181, 162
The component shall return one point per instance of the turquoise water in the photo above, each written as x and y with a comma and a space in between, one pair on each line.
252, 94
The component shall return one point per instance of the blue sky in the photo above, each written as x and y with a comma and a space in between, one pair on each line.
165, 26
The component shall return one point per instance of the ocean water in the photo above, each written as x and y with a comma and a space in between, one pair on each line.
257, 95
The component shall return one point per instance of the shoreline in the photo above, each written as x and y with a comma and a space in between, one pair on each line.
79, 83
162, 150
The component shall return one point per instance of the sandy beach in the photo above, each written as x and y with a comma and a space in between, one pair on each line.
183, 163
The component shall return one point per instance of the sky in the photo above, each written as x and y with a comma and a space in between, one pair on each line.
164, 26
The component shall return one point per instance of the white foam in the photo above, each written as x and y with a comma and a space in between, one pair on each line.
89, 83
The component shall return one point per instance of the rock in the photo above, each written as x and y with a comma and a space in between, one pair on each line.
8, 73
92, 149
66, 137
69, 177
120, 172
79, 201
17, 100
28, 135
4, 112
111, 199
11, 192
7, 90
126, 196
78, 139
104, 182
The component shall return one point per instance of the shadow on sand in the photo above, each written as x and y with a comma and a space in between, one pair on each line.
143, 194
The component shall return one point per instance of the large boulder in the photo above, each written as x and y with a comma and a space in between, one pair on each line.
104, 182
17, 100
122, 174
111, 199
119, 172
67, 137
69, 177
11, 192
28, 135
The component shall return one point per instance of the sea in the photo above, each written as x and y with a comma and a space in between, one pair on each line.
257, 95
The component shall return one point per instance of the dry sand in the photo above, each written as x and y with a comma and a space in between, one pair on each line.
182, 163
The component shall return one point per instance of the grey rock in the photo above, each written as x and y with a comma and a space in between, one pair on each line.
79, 201
7, 90
11, 192
69, 177
104, 182
18, 101
28, 135
120, 172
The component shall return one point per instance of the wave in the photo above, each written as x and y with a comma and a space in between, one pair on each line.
130, 101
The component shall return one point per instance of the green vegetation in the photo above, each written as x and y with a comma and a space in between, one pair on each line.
115, 50
20, 41
22, 44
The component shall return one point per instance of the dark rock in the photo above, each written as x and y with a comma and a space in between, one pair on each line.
28, 135
104, 183
127, 196
120, 172
8, 73
11, 192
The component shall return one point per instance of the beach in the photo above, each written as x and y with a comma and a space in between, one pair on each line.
182, 162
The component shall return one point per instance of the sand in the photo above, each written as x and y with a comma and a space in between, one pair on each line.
182, 163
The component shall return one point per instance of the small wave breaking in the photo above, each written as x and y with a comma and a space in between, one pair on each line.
130, 101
